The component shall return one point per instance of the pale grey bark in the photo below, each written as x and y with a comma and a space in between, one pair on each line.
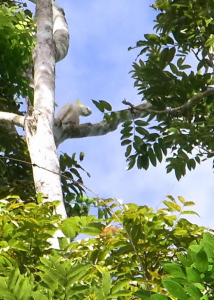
39, 121
60, 32
12, 118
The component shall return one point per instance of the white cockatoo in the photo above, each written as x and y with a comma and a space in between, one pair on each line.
71, 112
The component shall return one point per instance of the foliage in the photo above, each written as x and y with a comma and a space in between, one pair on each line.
17, 41
192, 276
73, 189
133, 252
176, 65
123, 258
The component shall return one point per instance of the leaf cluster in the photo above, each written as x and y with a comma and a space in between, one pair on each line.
176, 65
76, 203
122, 259
17, 31
192, 276
17, 41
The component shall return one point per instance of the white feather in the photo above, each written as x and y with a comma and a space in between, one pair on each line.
70, 113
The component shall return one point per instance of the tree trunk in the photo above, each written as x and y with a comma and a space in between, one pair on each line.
40, 117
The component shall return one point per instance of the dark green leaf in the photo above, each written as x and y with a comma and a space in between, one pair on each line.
152, 157
141, 123
106, 105
158, 152
142, 131
143, 162
128, 150
125, 142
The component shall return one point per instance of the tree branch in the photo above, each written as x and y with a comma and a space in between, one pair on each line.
174, 110
63, 132
60, 31
12, 118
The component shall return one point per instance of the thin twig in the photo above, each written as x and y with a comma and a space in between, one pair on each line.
186, 105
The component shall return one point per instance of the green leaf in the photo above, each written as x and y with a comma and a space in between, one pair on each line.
193, 291
173, 129
106, 105
193, 275
171, 56
142, 131
141, 123
153, 37
128, 150
172, 206
39, 296
93, 229
125, 142
189, 212
63, 243
189, 203
174, 269
12, 280
209, 41
119, 285
77, 272
184, 67
183, 260
209, 238
157, 150
174, 69
106, 283
99, 105
175, 289
152, 157
164, 58
171, 198
201, 261
179, 231
68, 230
142, 294
143, 162
23, 289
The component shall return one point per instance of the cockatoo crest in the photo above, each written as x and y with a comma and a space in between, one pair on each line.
79, 103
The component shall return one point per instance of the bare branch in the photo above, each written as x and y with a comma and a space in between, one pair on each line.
12, 118
185, 106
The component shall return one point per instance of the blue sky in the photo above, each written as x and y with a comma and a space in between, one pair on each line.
97, 67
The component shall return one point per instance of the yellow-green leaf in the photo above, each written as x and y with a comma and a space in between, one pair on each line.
181, 199
189, 203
